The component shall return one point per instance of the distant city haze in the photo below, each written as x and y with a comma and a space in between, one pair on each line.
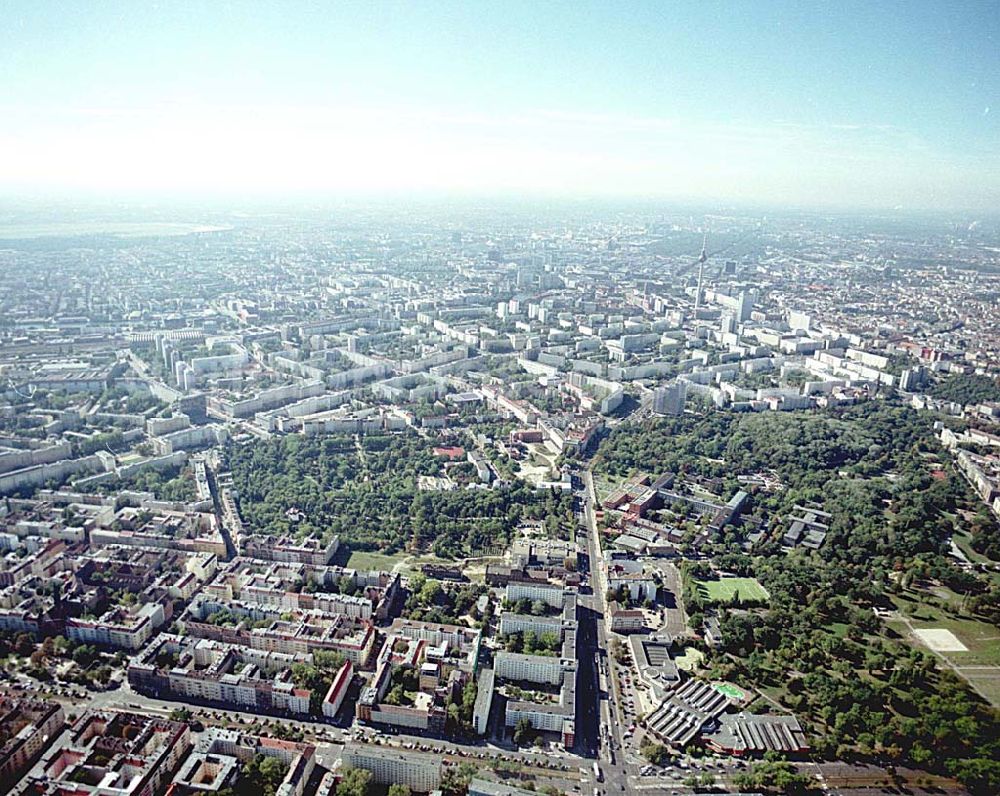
846, 105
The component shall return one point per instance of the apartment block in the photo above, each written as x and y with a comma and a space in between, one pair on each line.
110, 753
388, 766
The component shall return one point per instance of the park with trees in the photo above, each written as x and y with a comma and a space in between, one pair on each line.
862, 688
365, 491
967, 389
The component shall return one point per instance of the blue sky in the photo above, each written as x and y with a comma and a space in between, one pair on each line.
808, 103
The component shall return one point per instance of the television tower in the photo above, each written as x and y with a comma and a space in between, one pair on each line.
702, 259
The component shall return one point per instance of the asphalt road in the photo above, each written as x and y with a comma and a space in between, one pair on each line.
616, 773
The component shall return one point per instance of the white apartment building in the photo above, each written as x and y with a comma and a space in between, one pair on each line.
530, 668
522, 623
550, 595
422, 772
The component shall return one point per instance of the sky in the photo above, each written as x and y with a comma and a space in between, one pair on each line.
825, 104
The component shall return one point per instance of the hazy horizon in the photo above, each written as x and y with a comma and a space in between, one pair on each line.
853, 106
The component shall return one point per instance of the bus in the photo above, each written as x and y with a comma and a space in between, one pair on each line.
597, 772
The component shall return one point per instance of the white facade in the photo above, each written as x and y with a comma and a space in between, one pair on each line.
421, 772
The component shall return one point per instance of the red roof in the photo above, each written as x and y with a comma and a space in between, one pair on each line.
450, 452
342, 678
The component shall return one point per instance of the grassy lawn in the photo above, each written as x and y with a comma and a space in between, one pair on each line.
963, 541
365, 560
690, 660
724, 590
700, 492
932, 607
982, 639
413, 563
769, 695
986, 683
605, 484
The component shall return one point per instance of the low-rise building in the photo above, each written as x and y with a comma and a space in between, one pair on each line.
626, 620
681, 717
485, 787
748, 733
654, 664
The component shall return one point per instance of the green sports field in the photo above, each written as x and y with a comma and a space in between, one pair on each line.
723, 590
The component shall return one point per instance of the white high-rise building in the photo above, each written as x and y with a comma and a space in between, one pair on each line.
670, 400
744, 306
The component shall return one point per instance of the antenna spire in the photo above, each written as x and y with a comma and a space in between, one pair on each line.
702, 259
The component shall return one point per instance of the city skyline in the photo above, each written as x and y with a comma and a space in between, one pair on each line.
855, 106
512, 399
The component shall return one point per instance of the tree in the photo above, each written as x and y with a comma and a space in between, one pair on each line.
329, 660
399, 790
374, 504
978, 774
619, 651
85, 654
967, 389
655, 753
469, 694
24, 643
262, 775
776, 776
430, 592
523, 731
315, 680
354, 782
455, 779
396, 695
